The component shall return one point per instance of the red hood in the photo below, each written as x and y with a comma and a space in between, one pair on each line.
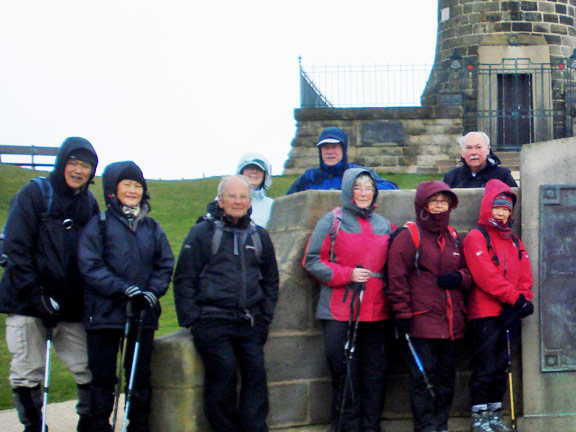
493, 188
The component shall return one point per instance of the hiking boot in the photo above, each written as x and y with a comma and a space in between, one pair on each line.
496, 422
481, 422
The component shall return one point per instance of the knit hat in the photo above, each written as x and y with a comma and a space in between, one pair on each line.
333, 135
84, 155
132, 172
503, 200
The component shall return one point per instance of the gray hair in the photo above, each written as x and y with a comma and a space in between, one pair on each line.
485, 137
227, 179
364, 178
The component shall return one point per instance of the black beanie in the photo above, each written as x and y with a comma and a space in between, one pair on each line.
84, 155
132, 172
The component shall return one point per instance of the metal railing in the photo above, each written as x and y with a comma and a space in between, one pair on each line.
362, 86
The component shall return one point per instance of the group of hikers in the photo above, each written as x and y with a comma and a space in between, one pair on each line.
88, 283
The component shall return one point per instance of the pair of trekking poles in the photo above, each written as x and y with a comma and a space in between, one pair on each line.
123, 344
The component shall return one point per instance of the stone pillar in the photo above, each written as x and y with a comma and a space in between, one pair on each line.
549, 397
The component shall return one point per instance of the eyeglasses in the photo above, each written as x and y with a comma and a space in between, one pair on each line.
85, 166
235, 197
366, 189
439, 202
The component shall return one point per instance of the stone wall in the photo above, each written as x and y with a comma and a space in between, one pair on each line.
398, 140
299, 382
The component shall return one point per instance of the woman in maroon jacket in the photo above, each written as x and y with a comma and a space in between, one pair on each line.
500, 295
427, 295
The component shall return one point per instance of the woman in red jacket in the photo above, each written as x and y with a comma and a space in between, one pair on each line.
427, 296
500, 295
347, 250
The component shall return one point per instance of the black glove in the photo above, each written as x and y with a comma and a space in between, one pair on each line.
137, 299
523, 307
508, 317
48, 309
403, 326
151, 299
449, 280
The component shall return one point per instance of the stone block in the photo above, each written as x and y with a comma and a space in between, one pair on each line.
298, 356
175, 362
177, 410
320, 401
289, 404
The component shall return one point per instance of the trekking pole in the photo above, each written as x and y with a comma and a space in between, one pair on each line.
46, 377
420, 366
133, 368
123, 343
510, 384
350, 346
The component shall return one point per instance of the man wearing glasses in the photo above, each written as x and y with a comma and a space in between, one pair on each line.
225, 290
41, 289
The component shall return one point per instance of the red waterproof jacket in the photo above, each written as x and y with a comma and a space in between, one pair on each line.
361, 239
495, 285
436, 313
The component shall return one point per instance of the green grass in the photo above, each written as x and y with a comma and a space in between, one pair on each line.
176, 205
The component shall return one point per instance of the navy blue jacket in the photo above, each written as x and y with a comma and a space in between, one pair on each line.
330, 178
229, 283
462, 177
41, 251
112, 256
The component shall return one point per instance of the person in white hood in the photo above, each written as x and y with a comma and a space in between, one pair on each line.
256, 168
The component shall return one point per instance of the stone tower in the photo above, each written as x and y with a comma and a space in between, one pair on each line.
508, 64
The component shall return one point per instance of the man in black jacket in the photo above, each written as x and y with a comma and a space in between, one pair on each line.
41, 287
480, 164
225, 289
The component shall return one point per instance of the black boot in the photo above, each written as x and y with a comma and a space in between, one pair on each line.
83, 408
29, 406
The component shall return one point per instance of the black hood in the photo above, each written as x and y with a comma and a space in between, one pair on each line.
113, 173
70, 146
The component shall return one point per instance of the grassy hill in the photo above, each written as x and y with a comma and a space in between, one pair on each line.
176, 205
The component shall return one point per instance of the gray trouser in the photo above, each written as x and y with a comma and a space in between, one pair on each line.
26, 339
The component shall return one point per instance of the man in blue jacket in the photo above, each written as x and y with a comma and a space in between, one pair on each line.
41, 287
333, 154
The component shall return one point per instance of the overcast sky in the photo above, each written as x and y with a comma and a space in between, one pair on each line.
185, 87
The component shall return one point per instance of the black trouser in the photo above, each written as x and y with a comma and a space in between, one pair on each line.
368, 373
488, 382
103, 346
439, 361
226, 346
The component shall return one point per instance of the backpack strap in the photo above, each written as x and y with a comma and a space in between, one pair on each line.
415, 234
336, 222
454, 236
253, 232
47, 194
489, 246
256, 240
516, 241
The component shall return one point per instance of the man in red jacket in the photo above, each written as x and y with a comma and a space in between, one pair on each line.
501, 294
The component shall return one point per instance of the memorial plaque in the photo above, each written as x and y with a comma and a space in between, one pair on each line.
557, 270
382, 132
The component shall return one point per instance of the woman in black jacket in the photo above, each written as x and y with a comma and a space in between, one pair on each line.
127, 263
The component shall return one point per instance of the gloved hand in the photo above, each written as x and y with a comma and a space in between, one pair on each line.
508, 317
523, 307
449, 280
137, 298
403, 326
47, 308
151, 299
